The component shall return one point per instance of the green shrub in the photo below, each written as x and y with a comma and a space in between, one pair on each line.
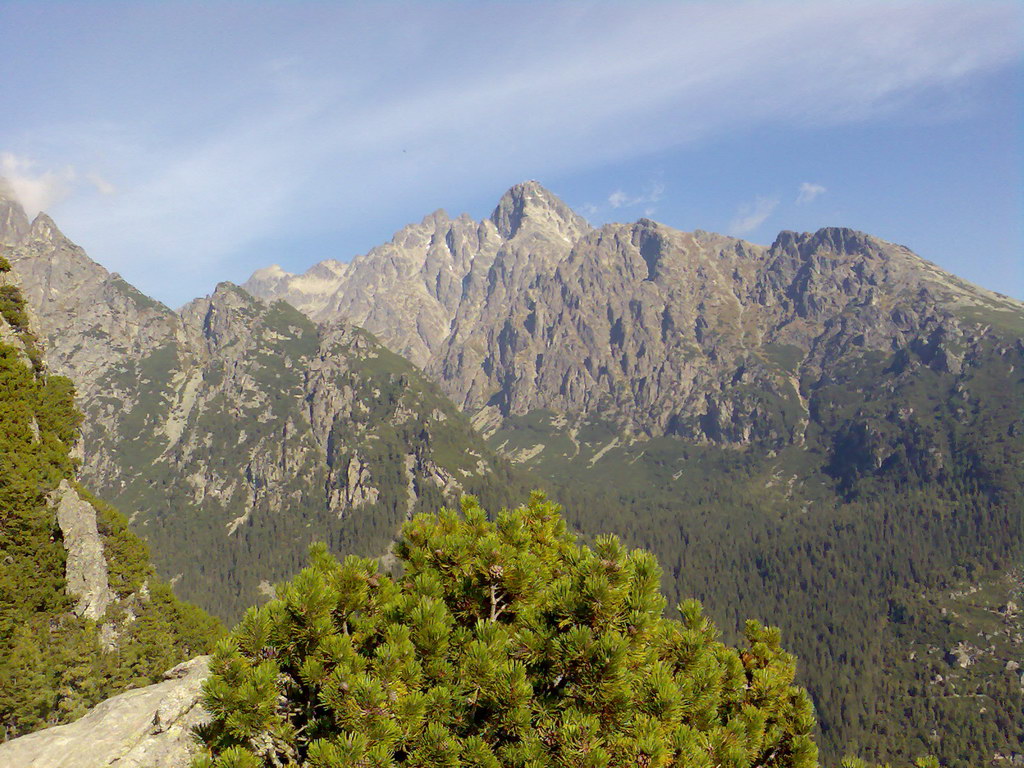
503, 643
12, 307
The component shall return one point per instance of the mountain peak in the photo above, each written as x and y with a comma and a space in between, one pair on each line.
273, 272
225, 288
44, 228
531, 202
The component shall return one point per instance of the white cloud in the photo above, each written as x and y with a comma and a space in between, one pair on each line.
36, 191
619, 199
102, 186
750, 216
808, 192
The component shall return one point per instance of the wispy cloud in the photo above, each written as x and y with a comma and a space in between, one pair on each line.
808, 192
101, 185
750, 216
306, 121
620, 199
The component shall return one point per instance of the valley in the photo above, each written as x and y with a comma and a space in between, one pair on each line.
825, 434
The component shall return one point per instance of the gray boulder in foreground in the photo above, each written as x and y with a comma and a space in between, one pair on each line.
147, 727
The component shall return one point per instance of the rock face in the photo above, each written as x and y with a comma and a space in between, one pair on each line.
658, 331
86, 567
281, 432
147, 727
409, 291
308, 292
90, 318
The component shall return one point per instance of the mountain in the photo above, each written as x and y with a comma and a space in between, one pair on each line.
238, 431
409, 291
831, 418
660, 331
825, 433
82, 613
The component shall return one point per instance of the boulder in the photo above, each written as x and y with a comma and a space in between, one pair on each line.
147, 727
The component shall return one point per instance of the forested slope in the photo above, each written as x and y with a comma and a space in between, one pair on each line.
802, 432
847, 544
72, 632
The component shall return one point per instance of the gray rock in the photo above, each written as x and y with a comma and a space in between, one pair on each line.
661, 331
147, 727
86, 567
409, 291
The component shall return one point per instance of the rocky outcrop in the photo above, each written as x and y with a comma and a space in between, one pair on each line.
86, 567
309, 292
408, 291
90, 319
147, 727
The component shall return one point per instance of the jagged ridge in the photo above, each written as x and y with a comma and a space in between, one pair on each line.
278, 430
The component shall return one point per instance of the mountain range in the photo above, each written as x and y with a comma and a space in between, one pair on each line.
826, 433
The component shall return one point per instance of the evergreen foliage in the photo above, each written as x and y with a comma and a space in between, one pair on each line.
911, 484
503, 643
921, 762
53, 665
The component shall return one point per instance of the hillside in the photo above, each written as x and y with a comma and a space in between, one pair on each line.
82, 614
830, 418
802, 433
238, 431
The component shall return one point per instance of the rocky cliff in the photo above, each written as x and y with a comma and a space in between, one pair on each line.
85, 569
409, 291
238, 431
660, 331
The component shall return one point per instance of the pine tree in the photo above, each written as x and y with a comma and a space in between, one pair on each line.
53, 666
503, 643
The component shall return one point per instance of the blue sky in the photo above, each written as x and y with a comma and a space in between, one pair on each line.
184, 144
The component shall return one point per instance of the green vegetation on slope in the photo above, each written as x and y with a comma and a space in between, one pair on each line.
53, 664
910, 484
272, 481
502, 644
